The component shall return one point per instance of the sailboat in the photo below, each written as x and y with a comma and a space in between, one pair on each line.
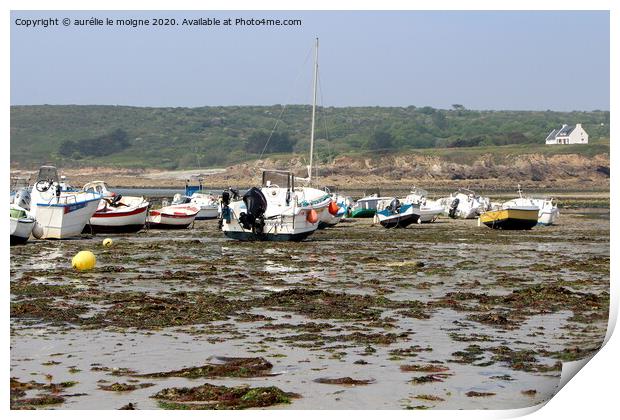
279, 210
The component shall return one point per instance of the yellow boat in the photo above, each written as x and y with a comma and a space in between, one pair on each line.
512, 218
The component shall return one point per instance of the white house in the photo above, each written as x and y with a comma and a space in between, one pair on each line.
568, 134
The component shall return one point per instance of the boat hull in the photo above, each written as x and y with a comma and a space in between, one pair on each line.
164, 221
127, 228
172, 217
548, 218
18, 240
399, 221
165, 224
120, 220
290, 225
280, 237
61, 221
21, 230
428, 216
363, 213
326, 219
510, 219
208, 213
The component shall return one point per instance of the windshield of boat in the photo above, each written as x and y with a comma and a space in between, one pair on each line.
419, 191
282, 179
47, 173
98, 187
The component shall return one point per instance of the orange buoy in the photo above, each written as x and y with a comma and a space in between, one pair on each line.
312, 217
333, 208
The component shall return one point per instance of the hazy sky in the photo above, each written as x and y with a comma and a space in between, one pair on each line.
483, 60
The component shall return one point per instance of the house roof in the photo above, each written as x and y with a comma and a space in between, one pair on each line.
565, 130
551, 135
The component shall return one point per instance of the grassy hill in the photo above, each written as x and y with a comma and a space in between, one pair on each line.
183, 138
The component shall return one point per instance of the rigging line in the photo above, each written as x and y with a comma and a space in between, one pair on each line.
279, 119
324, 117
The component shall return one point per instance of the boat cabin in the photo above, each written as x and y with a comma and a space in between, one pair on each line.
191, 189
278, 179
98, 187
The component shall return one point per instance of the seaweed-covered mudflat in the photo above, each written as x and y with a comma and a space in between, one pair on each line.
446, 315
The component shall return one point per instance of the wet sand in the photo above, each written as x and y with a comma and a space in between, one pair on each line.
446, 315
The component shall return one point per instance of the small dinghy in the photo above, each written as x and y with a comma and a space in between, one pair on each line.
116, 213
176, 216
392, 213
21, 225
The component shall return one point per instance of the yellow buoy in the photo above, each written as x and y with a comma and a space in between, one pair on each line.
84, 260
107, 242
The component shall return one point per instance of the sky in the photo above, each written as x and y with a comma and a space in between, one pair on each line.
512, 60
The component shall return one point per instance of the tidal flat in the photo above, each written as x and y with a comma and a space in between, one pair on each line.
446, 315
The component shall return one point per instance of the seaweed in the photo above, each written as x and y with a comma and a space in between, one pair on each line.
347, 380
213, 397
236, 367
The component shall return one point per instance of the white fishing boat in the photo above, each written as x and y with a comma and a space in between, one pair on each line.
59, 214
116, 213
176, 216
21, 225
465, 204
392, 213
279, 210
427, 210
270, 213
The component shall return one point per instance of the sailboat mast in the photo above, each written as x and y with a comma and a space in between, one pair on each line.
316, 71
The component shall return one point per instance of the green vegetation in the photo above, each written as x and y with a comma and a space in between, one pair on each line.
104, 145
175, 138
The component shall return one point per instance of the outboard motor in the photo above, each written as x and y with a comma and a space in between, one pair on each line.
394, 205
453, 206
22, 199
256, 205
